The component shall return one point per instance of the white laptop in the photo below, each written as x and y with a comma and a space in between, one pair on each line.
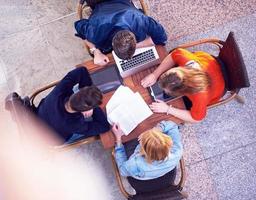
143, 58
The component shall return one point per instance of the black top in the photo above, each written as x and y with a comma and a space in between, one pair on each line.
52, 108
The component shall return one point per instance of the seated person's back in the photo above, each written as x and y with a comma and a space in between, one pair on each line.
68, 113
110, 17
158, 153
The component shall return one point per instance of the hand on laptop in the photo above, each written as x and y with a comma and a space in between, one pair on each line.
100, 58
148, 80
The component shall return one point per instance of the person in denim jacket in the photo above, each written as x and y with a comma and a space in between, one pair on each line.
158, 152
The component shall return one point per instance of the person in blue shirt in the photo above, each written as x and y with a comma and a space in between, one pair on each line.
69, 113
158, 152
118, 25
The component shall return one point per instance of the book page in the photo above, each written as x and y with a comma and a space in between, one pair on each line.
128, 110
123, 117
122, 94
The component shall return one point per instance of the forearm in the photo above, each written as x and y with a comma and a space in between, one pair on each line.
184, 115
79, 76
121, 159
91, 47
145, 43
166, 64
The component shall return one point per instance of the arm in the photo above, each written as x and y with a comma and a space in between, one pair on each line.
164, 66
156, 32
145, 43
98, 125
170, 128
126, 168
79, 76
162, 107
99, 58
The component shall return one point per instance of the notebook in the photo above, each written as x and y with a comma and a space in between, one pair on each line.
143, 58
107, 79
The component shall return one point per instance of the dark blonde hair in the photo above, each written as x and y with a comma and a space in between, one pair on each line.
155, 145
192, 81
124, 44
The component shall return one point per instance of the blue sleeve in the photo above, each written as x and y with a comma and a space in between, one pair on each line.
127, 167
156, 32
170, 128
81, 27
121, 158
99, 124
78, 75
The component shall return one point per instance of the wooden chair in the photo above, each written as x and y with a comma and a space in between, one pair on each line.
84, 11
15, 105
233, 67
173, 192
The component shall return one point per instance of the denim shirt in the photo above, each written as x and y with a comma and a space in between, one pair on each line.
112, 16
137, 166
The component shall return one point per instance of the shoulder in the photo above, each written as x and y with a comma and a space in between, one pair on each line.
182, 56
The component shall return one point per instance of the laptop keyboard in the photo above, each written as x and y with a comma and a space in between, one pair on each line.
138, 60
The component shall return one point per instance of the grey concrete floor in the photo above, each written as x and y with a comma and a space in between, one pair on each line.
37, 46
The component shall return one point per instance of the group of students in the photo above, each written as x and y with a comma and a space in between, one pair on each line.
117, 25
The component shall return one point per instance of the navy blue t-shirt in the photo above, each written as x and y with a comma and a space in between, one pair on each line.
112, 16
52, 110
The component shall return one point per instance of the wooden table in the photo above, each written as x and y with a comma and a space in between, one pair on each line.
133, 82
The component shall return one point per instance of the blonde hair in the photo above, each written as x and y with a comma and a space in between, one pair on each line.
190, 81
155, 145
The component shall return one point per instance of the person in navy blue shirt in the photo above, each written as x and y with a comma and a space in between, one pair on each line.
71, 113
118, 25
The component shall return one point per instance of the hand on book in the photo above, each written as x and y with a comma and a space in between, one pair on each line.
117, 132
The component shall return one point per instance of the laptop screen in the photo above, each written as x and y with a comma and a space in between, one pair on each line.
107, 79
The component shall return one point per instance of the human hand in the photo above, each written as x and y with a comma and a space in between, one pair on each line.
148, 80
88, 113
117, 132
159, 106
100, 58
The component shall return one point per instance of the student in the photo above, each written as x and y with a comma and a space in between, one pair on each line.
158, 152
198, 77
71, 113
118, 25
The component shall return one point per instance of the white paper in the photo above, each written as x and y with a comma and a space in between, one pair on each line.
127, 108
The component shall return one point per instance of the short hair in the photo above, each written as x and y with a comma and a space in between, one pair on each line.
86, 99
124, 44
155, 145
192, 81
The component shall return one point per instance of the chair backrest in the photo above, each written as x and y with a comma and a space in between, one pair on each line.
231, 56
142, 186
165, 194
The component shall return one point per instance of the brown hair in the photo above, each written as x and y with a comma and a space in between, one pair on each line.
86, 99
192, 81
155, 145
124, 44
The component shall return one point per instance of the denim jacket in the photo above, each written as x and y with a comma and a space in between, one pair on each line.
137, 166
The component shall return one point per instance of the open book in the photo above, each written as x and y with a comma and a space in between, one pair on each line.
127, 108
